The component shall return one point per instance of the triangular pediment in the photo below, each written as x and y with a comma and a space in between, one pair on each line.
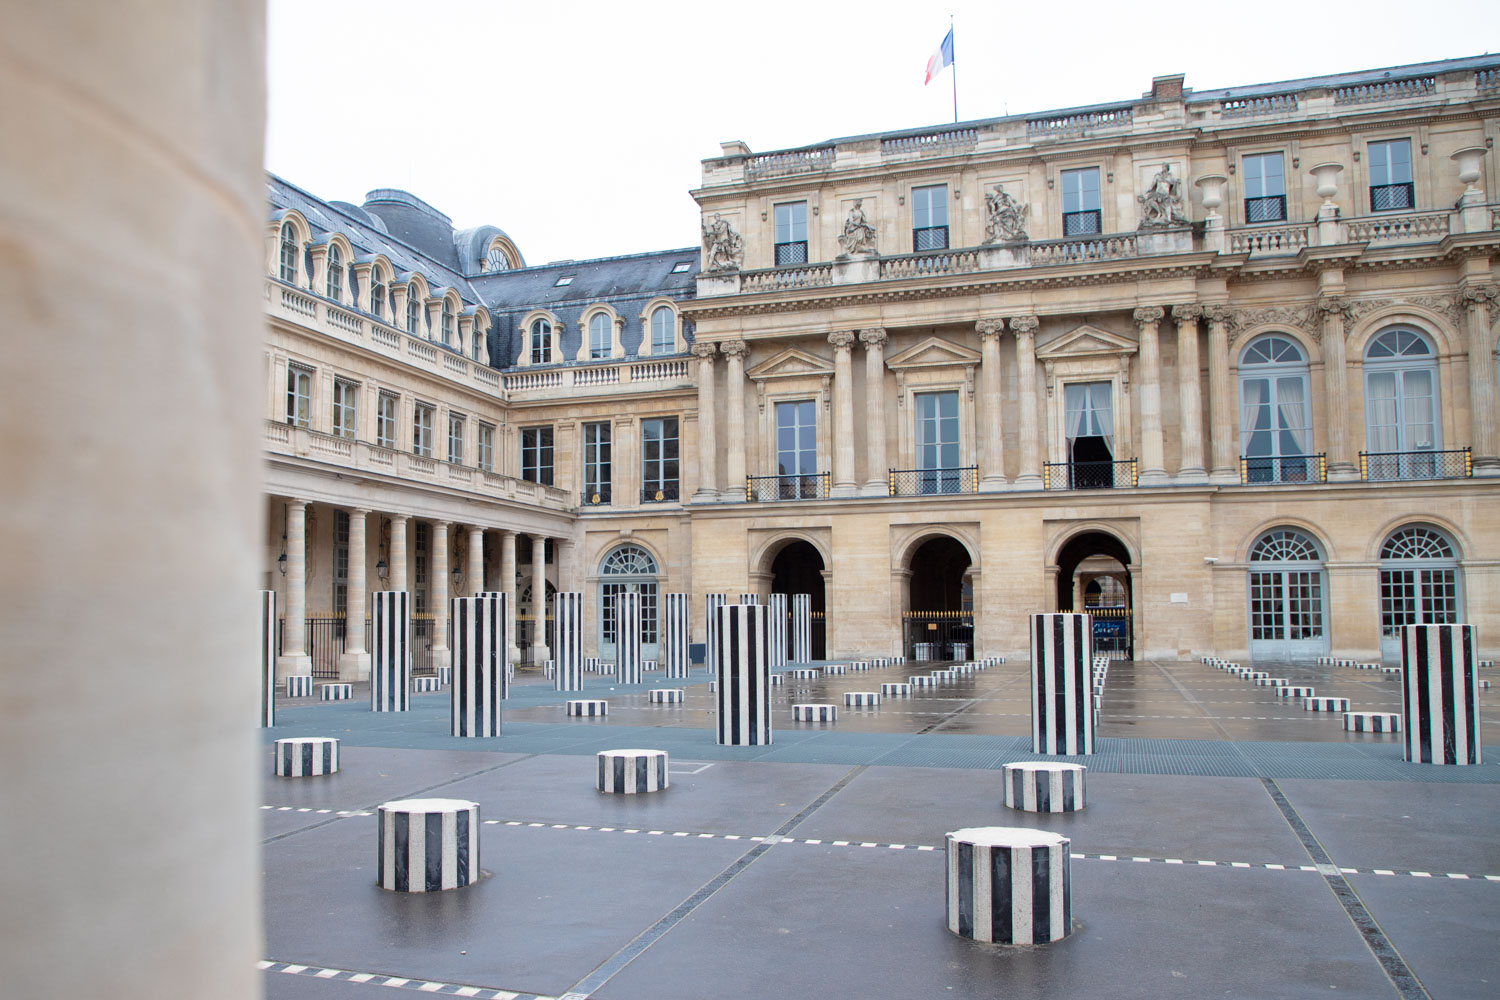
1086, 342
791, 363
934, 352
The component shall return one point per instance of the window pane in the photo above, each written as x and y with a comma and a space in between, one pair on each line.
929, 206
791, 222
1081, 190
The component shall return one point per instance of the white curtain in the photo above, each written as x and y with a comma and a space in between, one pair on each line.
1381, 418
1075, 404
1416, 393
1252, 393
1104, 416
1291, 405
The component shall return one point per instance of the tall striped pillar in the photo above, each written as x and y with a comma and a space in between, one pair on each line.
776, 605
628, 638
801, 628
479, 645
390, 659
567, 626
1062, 718
749, 598
744, 678
713, 603
267, 658
1440, 694
501, 655
674, 634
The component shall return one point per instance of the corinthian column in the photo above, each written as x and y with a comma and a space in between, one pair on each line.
708, 445
1153, 464
1483, 417
734, 412
1189, 398
294, 658
398, 551
1024, 327
474, 567
991, 431
843, 415
539, 651
1221, 399
354, 661
1334, 310
440, 594
508, 586
876, 461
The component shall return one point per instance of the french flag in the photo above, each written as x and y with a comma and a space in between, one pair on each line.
941, 58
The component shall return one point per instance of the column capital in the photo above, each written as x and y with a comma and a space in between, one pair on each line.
1218, 313
1146, 315
842, 340
358, 511
705, 351
987, 328
872, 337
1187, 313
1024, 325
1334, 307
735, 349
1477, 293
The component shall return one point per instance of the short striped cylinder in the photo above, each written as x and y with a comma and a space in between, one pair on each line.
1339, 662
444, 676
1367, 666
945, 676
711, 605
427, 845
778, 680
836, 669
805, 673
776, 629
1484, 684
480, 639
648, 666
958, 651
1487, 664
861, 699
628, 638
1231, 666
1390, 670
592, 665
993, 661
1255, 675
299, 686
306, 756
425, 684
335, 692
744, 685
586, 707
922, 681
667, 696
567, 644
1041, 786
1372, 722
675, 634
880, 661
631, 772
895, 689
390, 653
898, 659
1008, 885
1062, 718
1440, 696
1325, 704
548, 668
1294, 691
924, 651
1325, 661
750, 599
1271, 682
815, 712
965, 668
801, 628
267, 658
859, 665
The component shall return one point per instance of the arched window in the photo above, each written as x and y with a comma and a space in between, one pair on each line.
1275, 417
1419, 583
475, 339
413, 308
495, 259
541, 347
288, 268
600, 341
627, 569
1401, 426
377, 292
334, 285
447, 327
663, 331
1286, 596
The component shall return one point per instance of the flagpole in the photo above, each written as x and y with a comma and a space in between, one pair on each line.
955, 73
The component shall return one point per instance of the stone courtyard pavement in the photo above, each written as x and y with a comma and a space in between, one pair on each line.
1233, 845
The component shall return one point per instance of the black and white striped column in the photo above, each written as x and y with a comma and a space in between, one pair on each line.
674, 634
1043, 786
801, 628
567, 623
427, 845
479, 642
1440, 694
267, 658
502, 654
628, 638
776, 605
749, 598
306, 756
744, 684
299, 686
1008, 885
1062, 718
631, 772
336, 692
390, 655
712, 604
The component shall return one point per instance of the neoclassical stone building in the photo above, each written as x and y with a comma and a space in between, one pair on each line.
1219, 366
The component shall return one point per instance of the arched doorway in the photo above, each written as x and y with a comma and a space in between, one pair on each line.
798, 569
1093, 576
941, 601
627, 569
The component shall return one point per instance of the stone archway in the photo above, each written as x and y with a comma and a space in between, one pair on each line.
1093, 575
940, 599
797, 568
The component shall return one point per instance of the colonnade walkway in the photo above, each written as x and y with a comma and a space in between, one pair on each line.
1232, 845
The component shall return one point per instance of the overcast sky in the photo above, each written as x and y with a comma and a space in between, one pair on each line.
579, 127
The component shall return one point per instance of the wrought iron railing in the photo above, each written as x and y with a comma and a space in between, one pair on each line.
1284, 469
1271, 208
813, 486
1388, 466
933, 482
791, 253
665, 493
1391, 197
1090, 475
1086, 223
597, 497
929, 238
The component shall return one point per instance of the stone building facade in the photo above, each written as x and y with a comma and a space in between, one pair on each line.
1217, 365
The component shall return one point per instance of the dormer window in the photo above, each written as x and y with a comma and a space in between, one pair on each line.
496, 260
600, 341
288, 268
377, 292
566, 279
447, 326
335, 280
541, 334
413, 308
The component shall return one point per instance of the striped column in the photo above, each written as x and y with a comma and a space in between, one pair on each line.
629, 772
1440, 694
1062, 719
628, 638
801, 628
390, 657
306, 756
674, 634
479, 645
567, 624
267, 659
1042, 786
502, 655
776, 605
749, 598
427, 845
713, 602
1008, 885
744, 686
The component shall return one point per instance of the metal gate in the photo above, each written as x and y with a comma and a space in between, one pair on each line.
947, 629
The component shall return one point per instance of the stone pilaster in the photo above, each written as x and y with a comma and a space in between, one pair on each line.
734, 410
539, 651
1025, 327
1478, 299
294, 658
1221, 398
439, 603
708, 445
843, 414
1334, 310
354, 661
1148, 385
991, 427
876, 461
1189, 396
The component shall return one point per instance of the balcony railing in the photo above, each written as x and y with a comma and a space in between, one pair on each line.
813, 486
933, 482
1284, 469
597, 497
1090, 475
665, 493
1396, 466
